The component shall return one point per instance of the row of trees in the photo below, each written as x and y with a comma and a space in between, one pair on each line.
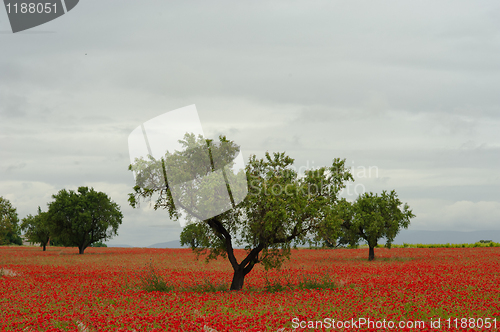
282, 209
75, 219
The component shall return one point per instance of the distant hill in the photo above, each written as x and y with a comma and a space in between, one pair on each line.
405, 236
443, 237
176, 244
170, 244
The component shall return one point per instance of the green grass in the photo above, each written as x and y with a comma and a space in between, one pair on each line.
208, 286
305, 282
150, 280
480, 244
447, 245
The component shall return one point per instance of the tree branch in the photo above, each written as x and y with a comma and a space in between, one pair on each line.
219, 228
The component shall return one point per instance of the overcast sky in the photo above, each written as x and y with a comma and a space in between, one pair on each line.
411, 89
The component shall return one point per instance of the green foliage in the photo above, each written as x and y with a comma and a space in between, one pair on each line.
305, 282
188, 169
276, 286
84, 217
36, 228
282, 206
9, 224
99, 245
152, 281
324, 282
199, 236
373, 217
208, 286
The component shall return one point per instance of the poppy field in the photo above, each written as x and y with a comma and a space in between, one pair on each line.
404, 289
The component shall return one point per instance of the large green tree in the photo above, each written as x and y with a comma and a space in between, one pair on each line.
281, 207
9, 224
36, 228
373, 217
83, 217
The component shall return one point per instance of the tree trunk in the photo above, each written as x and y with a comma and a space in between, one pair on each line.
81, 250
371, 254
246, 265
44, 245
238, 279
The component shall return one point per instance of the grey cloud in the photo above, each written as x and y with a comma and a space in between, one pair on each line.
454, 124
11, 168
13, 105
304, 58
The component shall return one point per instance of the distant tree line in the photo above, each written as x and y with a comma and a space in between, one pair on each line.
282, 208
81, 218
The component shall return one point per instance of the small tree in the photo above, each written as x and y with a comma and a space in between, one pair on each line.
373, 217
9, 224
36, 228
280, 207
83, 217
